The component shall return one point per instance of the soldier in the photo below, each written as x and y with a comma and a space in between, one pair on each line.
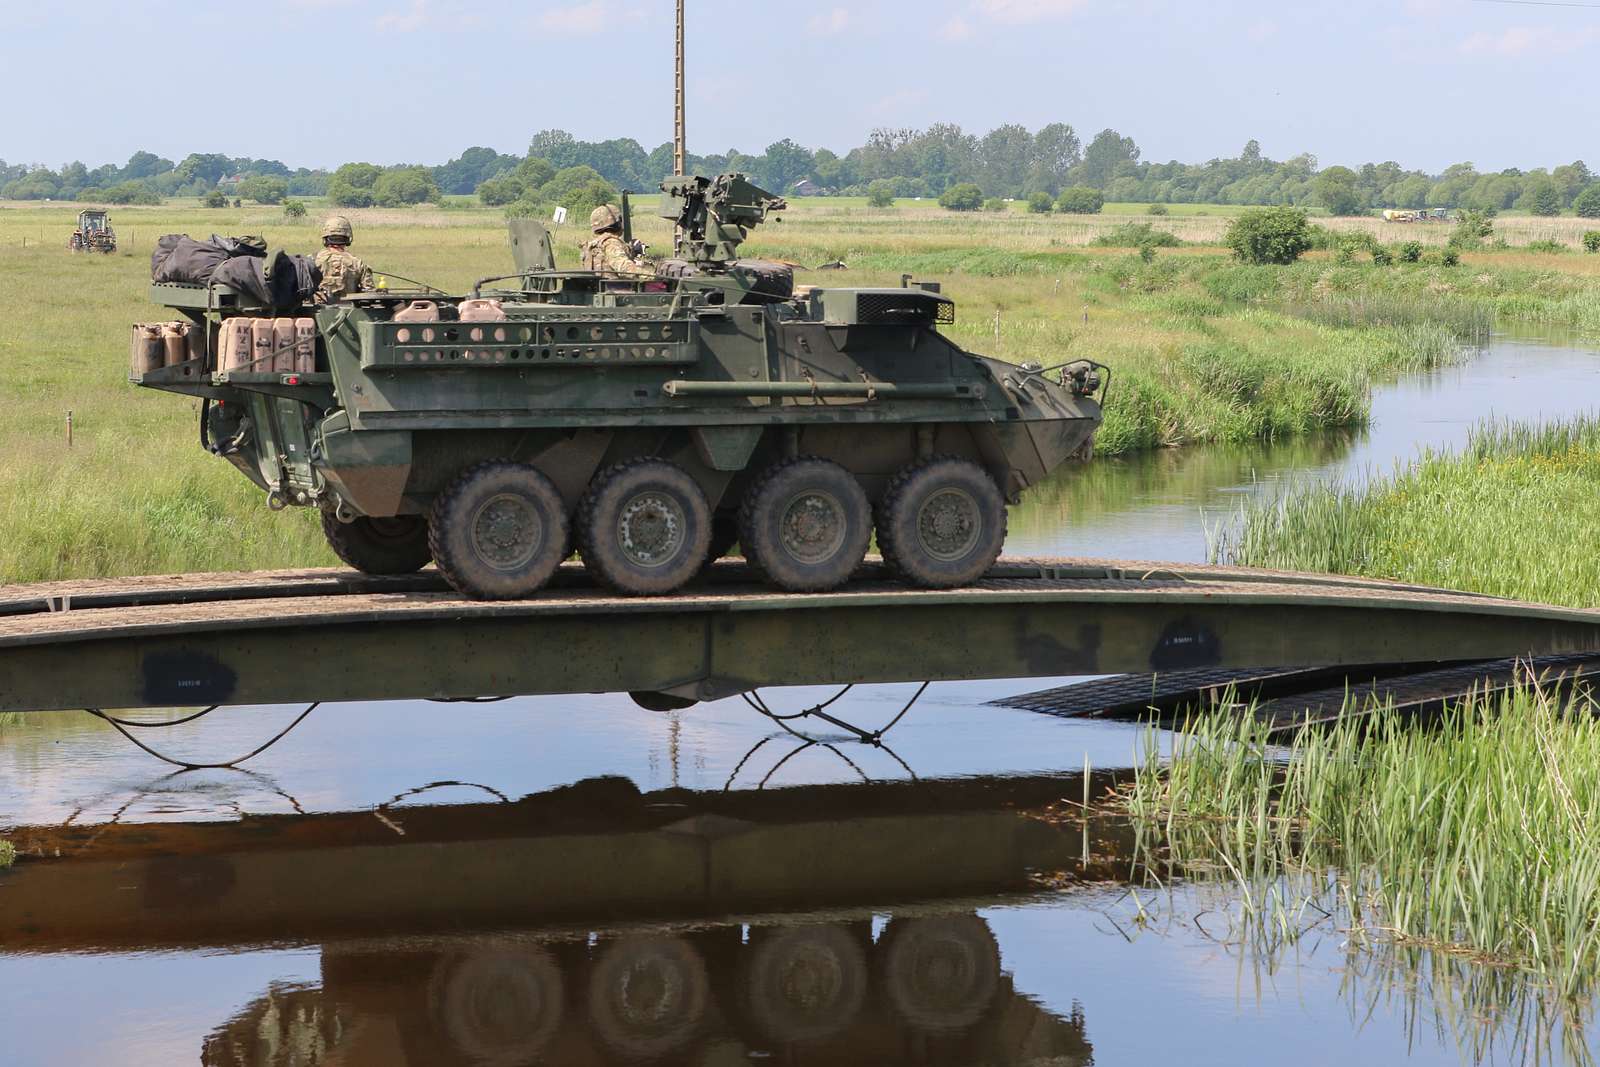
608, 252
341, 272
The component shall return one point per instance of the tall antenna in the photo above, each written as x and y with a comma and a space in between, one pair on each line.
678, 135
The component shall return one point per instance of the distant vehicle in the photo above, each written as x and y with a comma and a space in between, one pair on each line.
1437, 214
1392, 215
94, 233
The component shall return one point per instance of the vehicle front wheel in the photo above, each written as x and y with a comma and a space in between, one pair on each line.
806, 524
394, 545
644, 527
499, 531
942, 522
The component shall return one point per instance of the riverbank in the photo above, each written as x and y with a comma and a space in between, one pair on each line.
1204, 351
1513, 514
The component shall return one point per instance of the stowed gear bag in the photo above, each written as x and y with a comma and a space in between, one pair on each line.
180, 258
277, 279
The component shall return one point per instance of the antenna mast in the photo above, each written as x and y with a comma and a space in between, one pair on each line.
678, 135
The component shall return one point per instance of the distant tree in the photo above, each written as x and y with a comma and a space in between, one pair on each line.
1056, 150
1110, 155
579, 189
1335, 190
352, 185
403, 186
209, 168
1410, 252
470, 169
1161, 209
784, 163
880, 194
994, 203
264, 189
497, 192
1591, 241
144, 165
963, 197
131, 193
1269, 235
1540, 196
1587, 203
534, 172
294, 209
1040, 203
1471, 228
215, 198
1080, 200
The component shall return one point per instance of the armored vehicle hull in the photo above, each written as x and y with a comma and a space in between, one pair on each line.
648, 423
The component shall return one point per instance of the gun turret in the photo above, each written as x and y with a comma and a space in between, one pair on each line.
714, 215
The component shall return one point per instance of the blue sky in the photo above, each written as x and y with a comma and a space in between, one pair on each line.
319, 82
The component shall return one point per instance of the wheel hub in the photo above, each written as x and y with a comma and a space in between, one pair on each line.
651, 529
812, 527
948, 524
507, 532
812, 979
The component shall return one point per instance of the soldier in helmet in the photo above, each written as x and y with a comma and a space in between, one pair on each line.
608, 252
341, 272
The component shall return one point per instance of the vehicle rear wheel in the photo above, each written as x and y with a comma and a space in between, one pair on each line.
394, 545
644, 527
499, 531
942, 523
806, 524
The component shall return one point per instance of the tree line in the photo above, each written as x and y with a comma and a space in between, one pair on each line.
1009, 162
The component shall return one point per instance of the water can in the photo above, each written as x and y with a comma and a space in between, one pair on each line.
283, 346
174, 347
261, 339
305, 346
147, 353
418, 311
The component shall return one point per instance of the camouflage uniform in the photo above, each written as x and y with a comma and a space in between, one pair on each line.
341, 273
609, 254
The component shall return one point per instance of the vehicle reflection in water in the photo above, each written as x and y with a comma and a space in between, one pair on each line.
597, 923
928, 990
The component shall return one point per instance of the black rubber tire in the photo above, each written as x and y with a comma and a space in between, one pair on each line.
397, 545
974, 523
601, 516
767, 516
528, 508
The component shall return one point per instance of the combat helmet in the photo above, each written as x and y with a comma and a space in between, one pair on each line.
605, 217
337, 226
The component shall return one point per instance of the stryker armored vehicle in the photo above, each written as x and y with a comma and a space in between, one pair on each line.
650, 423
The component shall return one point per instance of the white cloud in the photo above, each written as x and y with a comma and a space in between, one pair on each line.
1018, 11
581, 19
957, 29
896, 102
1515, 41
1262, 31
407, 21
834, 21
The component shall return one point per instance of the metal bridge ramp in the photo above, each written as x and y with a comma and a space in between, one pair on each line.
289, 636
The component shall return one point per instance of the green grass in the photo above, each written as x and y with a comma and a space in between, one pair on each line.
1476, 837
8, 854
1205, 350
1514, 514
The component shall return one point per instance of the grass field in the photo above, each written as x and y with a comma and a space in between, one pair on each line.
1204, 350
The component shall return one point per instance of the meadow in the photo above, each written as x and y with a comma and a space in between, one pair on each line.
1205, 350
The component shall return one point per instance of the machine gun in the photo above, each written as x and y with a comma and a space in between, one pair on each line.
714, 215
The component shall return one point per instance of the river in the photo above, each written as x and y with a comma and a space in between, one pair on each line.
575, 880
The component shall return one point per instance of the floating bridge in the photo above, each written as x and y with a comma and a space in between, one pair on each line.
271, 637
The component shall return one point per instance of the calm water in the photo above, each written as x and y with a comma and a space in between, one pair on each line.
575, 880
